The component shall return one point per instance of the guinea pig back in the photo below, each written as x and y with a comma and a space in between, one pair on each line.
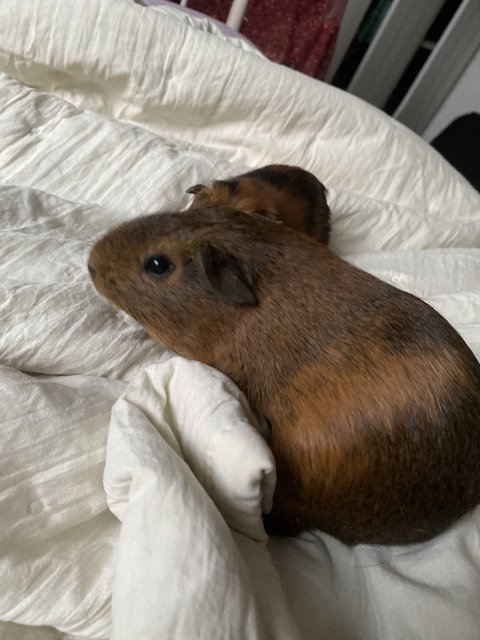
373, 398
283, 193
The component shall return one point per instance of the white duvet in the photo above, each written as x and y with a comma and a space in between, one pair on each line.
132, 481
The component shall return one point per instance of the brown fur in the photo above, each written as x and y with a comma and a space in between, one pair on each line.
373, 398
280, 192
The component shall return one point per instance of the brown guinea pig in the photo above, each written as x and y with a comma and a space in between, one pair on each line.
278, 191
373, 398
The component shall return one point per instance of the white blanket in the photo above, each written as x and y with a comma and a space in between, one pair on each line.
132, 481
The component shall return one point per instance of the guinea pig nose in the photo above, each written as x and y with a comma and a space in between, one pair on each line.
91, 271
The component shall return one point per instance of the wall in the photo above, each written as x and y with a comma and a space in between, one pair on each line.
464, 98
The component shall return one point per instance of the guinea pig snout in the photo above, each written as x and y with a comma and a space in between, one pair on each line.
99, 271
102, 272
99, 274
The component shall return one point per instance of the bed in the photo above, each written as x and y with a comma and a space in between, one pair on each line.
132, 481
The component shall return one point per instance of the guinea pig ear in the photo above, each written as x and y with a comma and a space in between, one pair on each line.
225, 275
195, 189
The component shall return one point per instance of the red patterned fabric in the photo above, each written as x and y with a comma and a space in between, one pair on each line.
297, 33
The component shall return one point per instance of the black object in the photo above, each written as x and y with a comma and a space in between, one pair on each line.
459, 143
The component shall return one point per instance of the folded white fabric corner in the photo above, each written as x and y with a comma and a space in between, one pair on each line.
178, 426
208, 425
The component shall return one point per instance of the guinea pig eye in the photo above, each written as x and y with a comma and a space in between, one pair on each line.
158, 266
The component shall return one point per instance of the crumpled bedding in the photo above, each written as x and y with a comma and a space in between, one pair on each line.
132, 480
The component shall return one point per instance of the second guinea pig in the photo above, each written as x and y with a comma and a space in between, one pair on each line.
372, 396
281, 192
